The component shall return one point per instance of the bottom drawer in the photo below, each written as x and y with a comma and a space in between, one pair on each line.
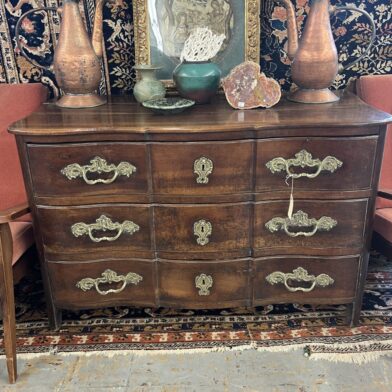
204, 284
102, 283
305, 280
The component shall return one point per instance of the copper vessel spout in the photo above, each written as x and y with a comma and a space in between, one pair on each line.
315, 58
76, 65
292, 29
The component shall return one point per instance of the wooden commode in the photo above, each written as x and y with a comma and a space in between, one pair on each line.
191, 210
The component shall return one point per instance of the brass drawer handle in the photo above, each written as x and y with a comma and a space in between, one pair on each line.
98, 165
202, 229
299, 275
103, 223
304, 159
301, 220
203, 167
110, 277
204, 282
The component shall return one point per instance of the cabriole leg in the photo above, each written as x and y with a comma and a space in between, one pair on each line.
7, 300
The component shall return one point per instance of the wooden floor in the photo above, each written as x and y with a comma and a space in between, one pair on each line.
230, 371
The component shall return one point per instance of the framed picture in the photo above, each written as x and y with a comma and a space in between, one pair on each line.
162, 26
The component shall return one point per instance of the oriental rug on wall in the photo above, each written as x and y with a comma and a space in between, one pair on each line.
40, 33
319, 331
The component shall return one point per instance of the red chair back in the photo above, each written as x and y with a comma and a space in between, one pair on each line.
16, 101
376, 90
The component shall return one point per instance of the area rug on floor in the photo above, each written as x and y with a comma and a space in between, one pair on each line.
319, 331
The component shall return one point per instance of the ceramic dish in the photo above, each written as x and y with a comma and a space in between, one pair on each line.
170, 105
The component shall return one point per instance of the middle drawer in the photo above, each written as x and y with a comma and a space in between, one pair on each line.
210, 231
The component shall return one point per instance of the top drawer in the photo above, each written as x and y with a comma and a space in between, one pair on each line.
334, 164
195, 169
87, 169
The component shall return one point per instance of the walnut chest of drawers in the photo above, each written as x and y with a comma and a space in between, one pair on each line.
191, 210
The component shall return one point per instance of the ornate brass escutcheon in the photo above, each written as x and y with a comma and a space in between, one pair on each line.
204, 282
203, 167
299, 275
202, 229
98, 165
304, 159
301, 220
103, 223
109, 277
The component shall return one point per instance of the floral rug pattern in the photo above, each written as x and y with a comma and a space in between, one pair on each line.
40, 31
125, 328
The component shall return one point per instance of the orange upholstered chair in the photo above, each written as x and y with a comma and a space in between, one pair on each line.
16, 233
376, 90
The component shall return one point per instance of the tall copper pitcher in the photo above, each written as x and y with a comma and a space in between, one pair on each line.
76, 64
315, 59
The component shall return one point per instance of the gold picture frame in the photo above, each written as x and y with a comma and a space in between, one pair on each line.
144, 51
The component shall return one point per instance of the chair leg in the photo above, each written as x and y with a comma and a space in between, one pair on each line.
7, 300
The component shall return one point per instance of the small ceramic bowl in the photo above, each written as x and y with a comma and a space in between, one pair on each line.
171, 105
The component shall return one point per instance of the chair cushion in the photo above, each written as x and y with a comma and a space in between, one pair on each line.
382, 202
383, 223
22, 238
16, 102
376, 90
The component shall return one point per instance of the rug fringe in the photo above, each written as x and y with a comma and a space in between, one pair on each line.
355, 353
182, 351
112, 353
285, 348
360, 358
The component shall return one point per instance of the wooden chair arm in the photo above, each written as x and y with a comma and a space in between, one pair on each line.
385, 193
10, 214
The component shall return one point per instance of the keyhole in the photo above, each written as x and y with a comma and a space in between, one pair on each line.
203, 168
203, 282
202, 229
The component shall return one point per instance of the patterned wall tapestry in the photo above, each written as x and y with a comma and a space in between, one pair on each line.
40, 31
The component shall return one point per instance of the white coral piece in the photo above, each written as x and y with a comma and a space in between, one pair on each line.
202, 45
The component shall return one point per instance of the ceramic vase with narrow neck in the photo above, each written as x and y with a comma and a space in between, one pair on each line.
198, 81
148, 87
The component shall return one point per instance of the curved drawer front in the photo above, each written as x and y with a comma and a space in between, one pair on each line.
95, 232
202, 231
305, 280
202, 168
341, 164
204, 284
316, 227
88, 169
103, 283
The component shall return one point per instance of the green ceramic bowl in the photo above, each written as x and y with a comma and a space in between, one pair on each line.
198, 81
171, 105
